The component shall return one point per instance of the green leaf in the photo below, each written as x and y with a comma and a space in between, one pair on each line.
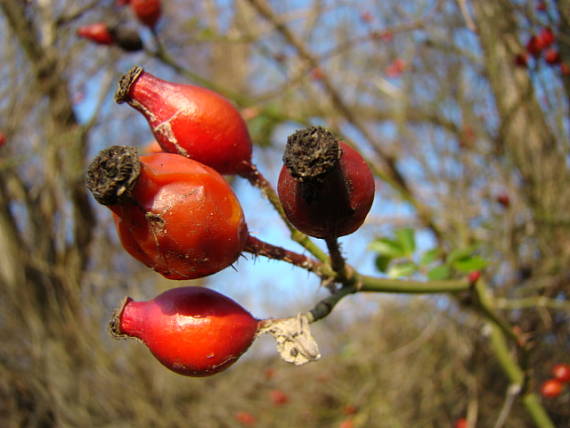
439, 272
402, 269
470, 264
429, 257
387, 247
459, 254
406, 238
382, 262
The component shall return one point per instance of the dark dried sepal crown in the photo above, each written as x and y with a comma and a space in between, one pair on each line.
125, 83
311, 153
112, 175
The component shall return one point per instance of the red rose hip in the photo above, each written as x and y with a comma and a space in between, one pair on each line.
173, 214
98, 33
147, 12
325, 186
189, 120
561, 372
551, 388
193, 331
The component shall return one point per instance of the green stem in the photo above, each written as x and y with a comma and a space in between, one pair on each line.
325, 306
533, 302
386, 285
530, 400
486, 306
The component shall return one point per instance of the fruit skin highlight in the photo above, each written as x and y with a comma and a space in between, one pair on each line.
192, 331
189, 120
325, 186
173, 214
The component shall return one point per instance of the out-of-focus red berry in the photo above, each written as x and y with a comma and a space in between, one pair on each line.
278, 397
473, 277
147, 11
461, 423
551, 388
245, 418
504, 200
397, 67
552, 56
347, 423
534, 45
317, 73
561, 372
98, 33
546, 37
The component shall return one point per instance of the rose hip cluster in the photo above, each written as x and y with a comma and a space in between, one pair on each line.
553, 387
175, 213
147, 12
542, 45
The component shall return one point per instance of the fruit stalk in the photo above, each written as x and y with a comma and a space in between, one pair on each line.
261, 248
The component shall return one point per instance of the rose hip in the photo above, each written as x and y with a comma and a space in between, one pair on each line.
325, 186
173, 214
193, 331
189, 120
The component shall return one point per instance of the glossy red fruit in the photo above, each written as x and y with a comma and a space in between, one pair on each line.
551, 388
325, 186
245, 418
193, 331
552, 56
147, 12
561, 372
173, 214
278, 397
98, 33
192, 121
